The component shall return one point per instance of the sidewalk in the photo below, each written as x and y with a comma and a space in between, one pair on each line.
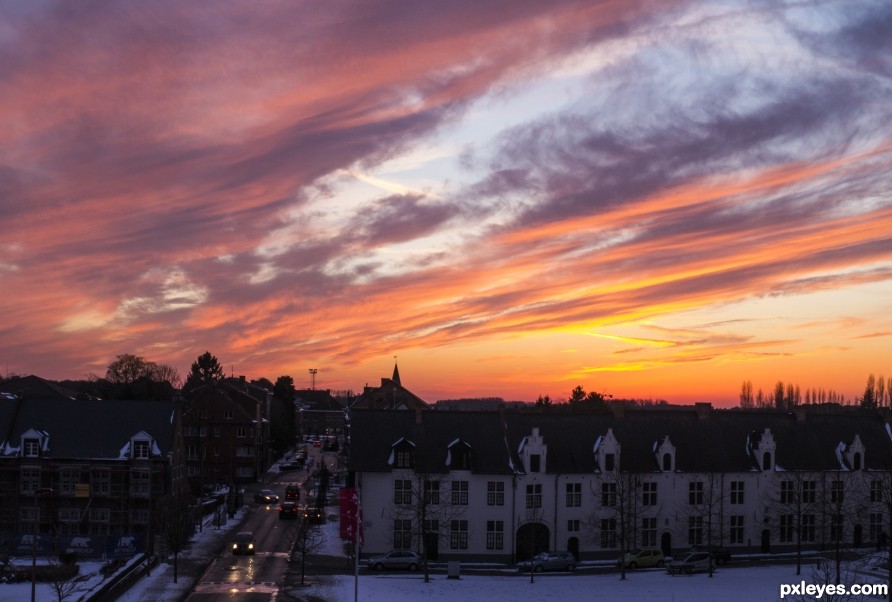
191, 564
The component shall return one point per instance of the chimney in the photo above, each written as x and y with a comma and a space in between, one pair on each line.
703, 409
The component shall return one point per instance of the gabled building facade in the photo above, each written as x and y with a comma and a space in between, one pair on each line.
225, 433
318, 413
391, 395
86, 475
502, 486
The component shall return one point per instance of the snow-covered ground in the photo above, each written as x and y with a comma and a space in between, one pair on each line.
744, 584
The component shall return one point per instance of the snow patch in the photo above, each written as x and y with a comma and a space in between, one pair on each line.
839, 456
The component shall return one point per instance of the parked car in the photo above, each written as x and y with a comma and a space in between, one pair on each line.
293, 465
695, 562
398, 559
266, 496
720, 555
289, 510
549, 561
243, 543
641, 559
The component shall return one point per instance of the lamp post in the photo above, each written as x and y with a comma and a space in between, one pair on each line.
37, 493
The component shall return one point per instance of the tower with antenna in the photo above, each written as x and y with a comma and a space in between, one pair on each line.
313, 372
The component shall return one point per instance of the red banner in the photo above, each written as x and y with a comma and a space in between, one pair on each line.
350, 514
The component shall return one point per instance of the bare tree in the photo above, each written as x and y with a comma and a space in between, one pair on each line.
796, 503
614, 521
310, 540
177, 527
423, 509
62, 583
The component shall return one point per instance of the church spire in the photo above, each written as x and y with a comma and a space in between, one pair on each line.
396, 373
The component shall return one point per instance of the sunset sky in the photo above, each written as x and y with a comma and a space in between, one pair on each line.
649, 199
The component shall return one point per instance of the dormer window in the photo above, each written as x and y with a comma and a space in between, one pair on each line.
854, 454
607, 450
31, 448
33, 442
402, 454
765, 453
533, 451
458, 456
141, 446
664, 452
535, 463
140, 450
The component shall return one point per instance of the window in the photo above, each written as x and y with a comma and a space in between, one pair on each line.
140, 450
402, 491
876, 491
534, 496
786, 493
535, 461
227, 414
786, 528
140, 481
432, 492
216, 431
856, 461
28, 514
140, 517
695, 530
609, 462
68, 477
30, 480
736, 532
495, 493
460, 457
100, 482
458, 534
241, 431
573, 525
695, 493
809, 492
404, 457
244, 451
808, 527
402, 534
648, 532
459, 493
192, 452
875, 526
31, 448
608, 532
99, 515
495, 535
837, 492
736, 492
69, 515
649, 493
766, 461
667, 462
836, 528
574, 494
608, 495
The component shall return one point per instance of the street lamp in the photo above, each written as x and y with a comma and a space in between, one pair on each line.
37, 493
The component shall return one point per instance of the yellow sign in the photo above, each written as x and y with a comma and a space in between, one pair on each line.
81, 490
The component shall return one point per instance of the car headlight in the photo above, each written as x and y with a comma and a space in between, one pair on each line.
235, 546
250, 546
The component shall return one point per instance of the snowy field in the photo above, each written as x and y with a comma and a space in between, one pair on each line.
751, 584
